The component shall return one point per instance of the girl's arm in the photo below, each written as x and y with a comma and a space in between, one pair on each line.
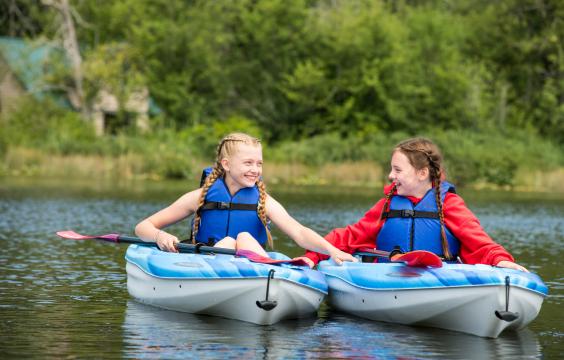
150, 229
303, 236
476, 247
361, 234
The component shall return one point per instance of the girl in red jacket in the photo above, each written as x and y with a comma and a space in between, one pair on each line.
420, 211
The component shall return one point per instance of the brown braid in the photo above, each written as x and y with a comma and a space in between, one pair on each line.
435, 173
444, 242
386, 204
261, 211
423, 153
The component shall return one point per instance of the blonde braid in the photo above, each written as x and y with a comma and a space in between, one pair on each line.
216, 173
261, 211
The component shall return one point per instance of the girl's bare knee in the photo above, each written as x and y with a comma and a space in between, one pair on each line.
244, 236
247, 242
227, 242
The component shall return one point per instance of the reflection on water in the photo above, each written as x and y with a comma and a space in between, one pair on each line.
63, 298
155, 333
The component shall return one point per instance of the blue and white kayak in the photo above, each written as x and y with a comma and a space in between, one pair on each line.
476, 299
223, 285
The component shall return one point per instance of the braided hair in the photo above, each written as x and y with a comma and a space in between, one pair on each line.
423, 153
261, 211
227, 147
387, 203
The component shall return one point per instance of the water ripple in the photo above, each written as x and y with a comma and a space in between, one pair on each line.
77, 289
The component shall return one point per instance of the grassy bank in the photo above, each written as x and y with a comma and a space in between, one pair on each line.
30, 163
55, 143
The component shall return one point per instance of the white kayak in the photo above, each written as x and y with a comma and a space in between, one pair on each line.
476, 299
223, 285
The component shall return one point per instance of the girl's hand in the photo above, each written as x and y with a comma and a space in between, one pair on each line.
166, 241
309, 262
340, 256
511, 265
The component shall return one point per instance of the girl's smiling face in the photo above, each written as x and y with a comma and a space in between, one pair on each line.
243, 168
409, 181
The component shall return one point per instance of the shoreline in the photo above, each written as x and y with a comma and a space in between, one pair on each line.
33, 164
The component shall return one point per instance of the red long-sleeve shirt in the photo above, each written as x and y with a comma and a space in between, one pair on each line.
476, 247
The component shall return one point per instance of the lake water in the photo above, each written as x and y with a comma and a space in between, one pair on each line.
68, 299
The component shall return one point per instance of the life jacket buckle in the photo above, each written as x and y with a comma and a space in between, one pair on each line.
407, 213
223, 205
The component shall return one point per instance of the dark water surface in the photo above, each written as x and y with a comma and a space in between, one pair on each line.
68, 299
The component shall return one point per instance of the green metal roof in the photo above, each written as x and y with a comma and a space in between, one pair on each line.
29, 61
25, 60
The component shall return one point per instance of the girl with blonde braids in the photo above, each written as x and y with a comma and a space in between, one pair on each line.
420, 211
232, 207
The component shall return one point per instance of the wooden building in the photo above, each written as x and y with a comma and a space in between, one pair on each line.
24, 66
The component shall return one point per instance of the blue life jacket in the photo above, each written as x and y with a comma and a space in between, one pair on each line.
416, 227
225, 215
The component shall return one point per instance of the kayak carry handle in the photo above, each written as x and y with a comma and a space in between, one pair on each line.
507, 315
266, 304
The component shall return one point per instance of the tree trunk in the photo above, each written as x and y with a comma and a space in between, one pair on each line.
70, 44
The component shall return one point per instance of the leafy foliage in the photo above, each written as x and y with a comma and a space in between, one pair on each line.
44, 125
328, 81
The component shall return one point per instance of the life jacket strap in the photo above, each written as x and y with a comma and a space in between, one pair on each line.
408, 213
220, 205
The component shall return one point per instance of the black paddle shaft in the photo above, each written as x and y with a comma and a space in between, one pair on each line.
181, 247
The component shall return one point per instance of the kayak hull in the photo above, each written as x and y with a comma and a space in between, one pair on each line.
222, 285
461, 298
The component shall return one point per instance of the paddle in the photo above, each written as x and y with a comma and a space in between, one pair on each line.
182, 247
417, 258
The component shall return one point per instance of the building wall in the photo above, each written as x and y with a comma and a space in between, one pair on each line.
107, 103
